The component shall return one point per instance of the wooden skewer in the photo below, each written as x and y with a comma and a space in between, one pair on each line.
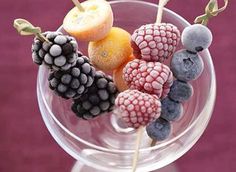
161, 6
138, 142
153, 143
78, 5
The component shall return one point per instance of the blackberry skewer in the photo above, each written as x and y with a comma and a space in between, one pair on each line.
53, 49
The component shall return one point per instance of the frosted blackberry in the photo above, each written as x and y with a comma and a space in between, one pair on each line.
196, 38
186, 66
171, 110
59, 53
159, 129
180, 91
74, 82
100, 98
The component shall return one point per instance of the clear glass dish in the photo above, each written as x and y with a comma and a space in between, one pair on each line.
104, 143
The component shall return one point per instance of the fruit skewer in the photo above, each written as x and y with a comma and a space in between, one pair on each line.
140, 131
195, 38
160, 10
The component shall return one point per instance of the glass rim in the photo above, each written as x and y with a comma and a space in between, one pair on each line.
209, 102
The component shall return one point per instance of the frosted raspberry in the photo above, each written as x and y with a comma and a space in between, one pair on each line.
155, 42
151, 77
137, 108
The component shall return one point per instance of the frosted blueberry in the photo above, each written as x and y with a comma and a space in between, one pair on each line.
171, 110
180, 91
196, 38
186, 66
159, 129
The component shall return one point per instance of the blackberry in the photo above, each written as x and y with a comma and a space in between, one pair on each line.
59, 53
100, 98
75, 81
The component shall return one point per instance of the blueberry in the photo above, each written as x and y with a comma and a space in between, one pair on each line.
180, 91
171, 110
196, 38
186, 66
159, 129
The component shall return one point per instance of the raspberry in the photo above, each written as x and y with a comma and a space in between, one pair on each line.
59, 54
150, 77
137, 108
155, 42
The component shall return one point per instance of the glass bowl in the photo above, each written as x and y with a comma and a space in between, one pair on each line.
104, 143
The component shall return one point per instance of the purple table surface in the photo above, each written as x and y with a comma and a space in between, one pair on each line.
25, 143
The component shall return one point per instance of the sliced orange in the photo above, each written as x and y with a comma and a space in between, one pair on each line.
91, 25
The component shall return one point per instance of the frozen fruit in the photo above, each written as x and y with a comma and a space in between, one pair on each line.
74, 82
186, 66
159, 129
92, 24
155, 42
99, 98
180, 91
137, 108
58, 54
151, 77
112, 51
171, 110
196, 37
118, 76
